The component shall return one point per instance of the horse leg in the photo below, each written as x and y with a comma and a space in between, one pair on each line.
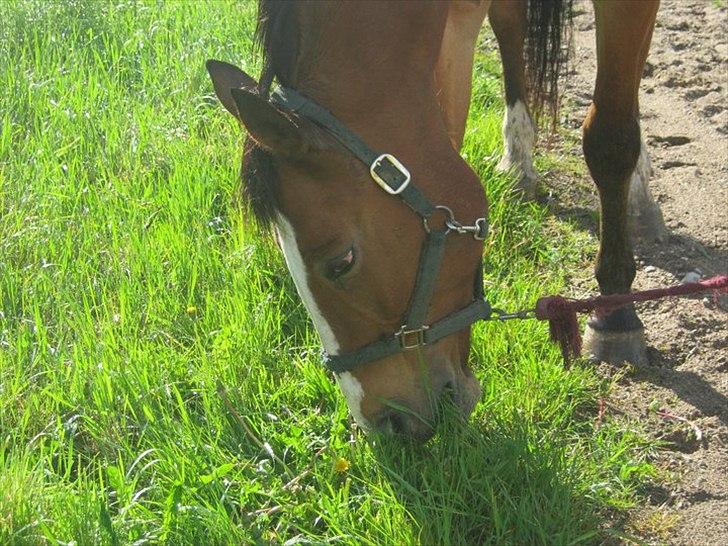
454, 68
611, 140
508, 20
645, 217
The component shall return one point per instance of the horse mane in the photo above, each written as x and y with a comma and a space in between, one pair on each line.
276, 35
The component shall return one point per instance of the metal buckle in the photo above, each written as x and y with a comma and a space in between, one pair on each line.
404, 336
377, 163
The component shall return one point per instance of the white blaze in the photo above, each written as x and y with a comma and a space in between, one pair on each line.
350, 385
353, 393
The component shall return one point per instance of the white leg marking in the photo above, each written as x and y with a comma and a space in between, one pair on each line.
519, 137
639, 192
645, 217
350, 385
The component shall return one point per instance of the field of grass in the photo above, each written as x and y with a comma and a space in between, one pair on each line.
159, 378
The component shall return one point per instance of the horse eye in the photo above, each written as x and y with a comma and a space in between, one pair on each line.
340, 265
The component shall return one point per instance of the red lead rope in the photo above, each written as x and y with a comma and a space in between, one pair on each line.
561, 312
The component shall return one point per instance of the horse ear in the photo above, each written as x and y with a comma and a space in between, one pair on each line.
226, 77
268, 126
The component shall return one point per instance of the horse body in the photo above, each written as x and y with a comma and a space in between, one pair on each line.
397, 74
614, 151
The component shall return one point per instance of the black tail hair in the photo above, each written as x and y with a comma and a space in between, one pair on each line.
548, 44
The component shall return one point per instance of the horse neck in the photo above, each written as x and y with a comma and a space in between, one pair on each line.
372, 65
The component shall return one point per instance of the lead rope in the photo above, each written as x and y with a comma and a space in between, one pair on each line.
561, 312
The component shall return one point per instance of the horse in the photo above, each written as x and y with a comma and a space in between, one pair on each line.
353, 163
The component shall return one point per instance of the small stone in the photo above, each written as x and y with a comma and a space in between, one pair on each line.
691, 276
650, 269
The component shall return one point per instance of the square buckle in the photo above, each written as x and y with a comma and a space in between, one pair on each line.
386, 164
411, 339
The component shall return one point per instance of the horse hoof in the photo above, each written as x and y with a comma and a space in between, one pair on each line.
615, 347
523, 171
648, 225
526, 185
526, 188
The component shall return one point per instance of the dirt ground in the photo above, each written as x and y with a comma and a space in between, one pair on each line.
682, 395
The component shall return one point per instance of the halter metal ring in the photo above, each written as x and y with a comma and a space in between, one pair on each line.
481, 232
450, 223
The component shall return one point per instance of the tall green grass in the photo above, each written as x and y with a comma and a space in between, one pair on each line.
159, 378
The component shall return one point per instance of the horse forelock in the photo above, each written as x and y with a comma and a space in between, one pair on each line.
258, 173
259, 183
276, 36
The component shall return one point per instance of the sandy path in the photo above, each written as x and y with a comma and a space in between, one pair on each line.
685, 123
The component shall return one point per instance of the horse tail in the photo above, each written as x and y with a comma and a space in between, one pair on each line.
547, 48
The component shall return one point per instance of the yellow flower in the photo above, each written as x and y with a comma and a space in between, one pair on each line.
191, 310
341, 465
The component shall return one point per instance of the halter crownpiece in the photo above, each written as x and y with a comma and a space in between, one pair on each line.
395, 179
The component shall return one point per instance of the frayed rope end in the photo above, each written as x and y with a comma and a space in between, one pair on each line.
563, 325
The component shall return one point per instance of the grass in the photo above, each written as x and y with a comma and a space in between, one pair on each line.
159, 378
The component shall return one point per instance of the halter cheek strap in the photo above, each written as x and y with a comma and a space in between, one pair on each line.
396, 180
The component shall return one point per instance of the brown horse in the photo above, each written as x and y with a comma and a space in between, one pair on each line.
380, 245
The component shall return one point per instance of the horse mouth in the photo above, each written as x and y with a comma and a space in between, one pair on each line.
458, 399
464, 394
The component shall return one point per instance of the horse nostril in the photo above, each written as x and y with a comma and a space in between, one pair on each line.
450, 394
396, 423
392, 422
448, 389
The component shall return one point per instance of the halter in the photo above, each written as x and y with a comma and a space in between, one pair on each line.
395, 179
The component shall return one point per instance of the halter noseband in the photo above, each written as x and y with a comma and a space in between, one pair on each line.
395, 179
